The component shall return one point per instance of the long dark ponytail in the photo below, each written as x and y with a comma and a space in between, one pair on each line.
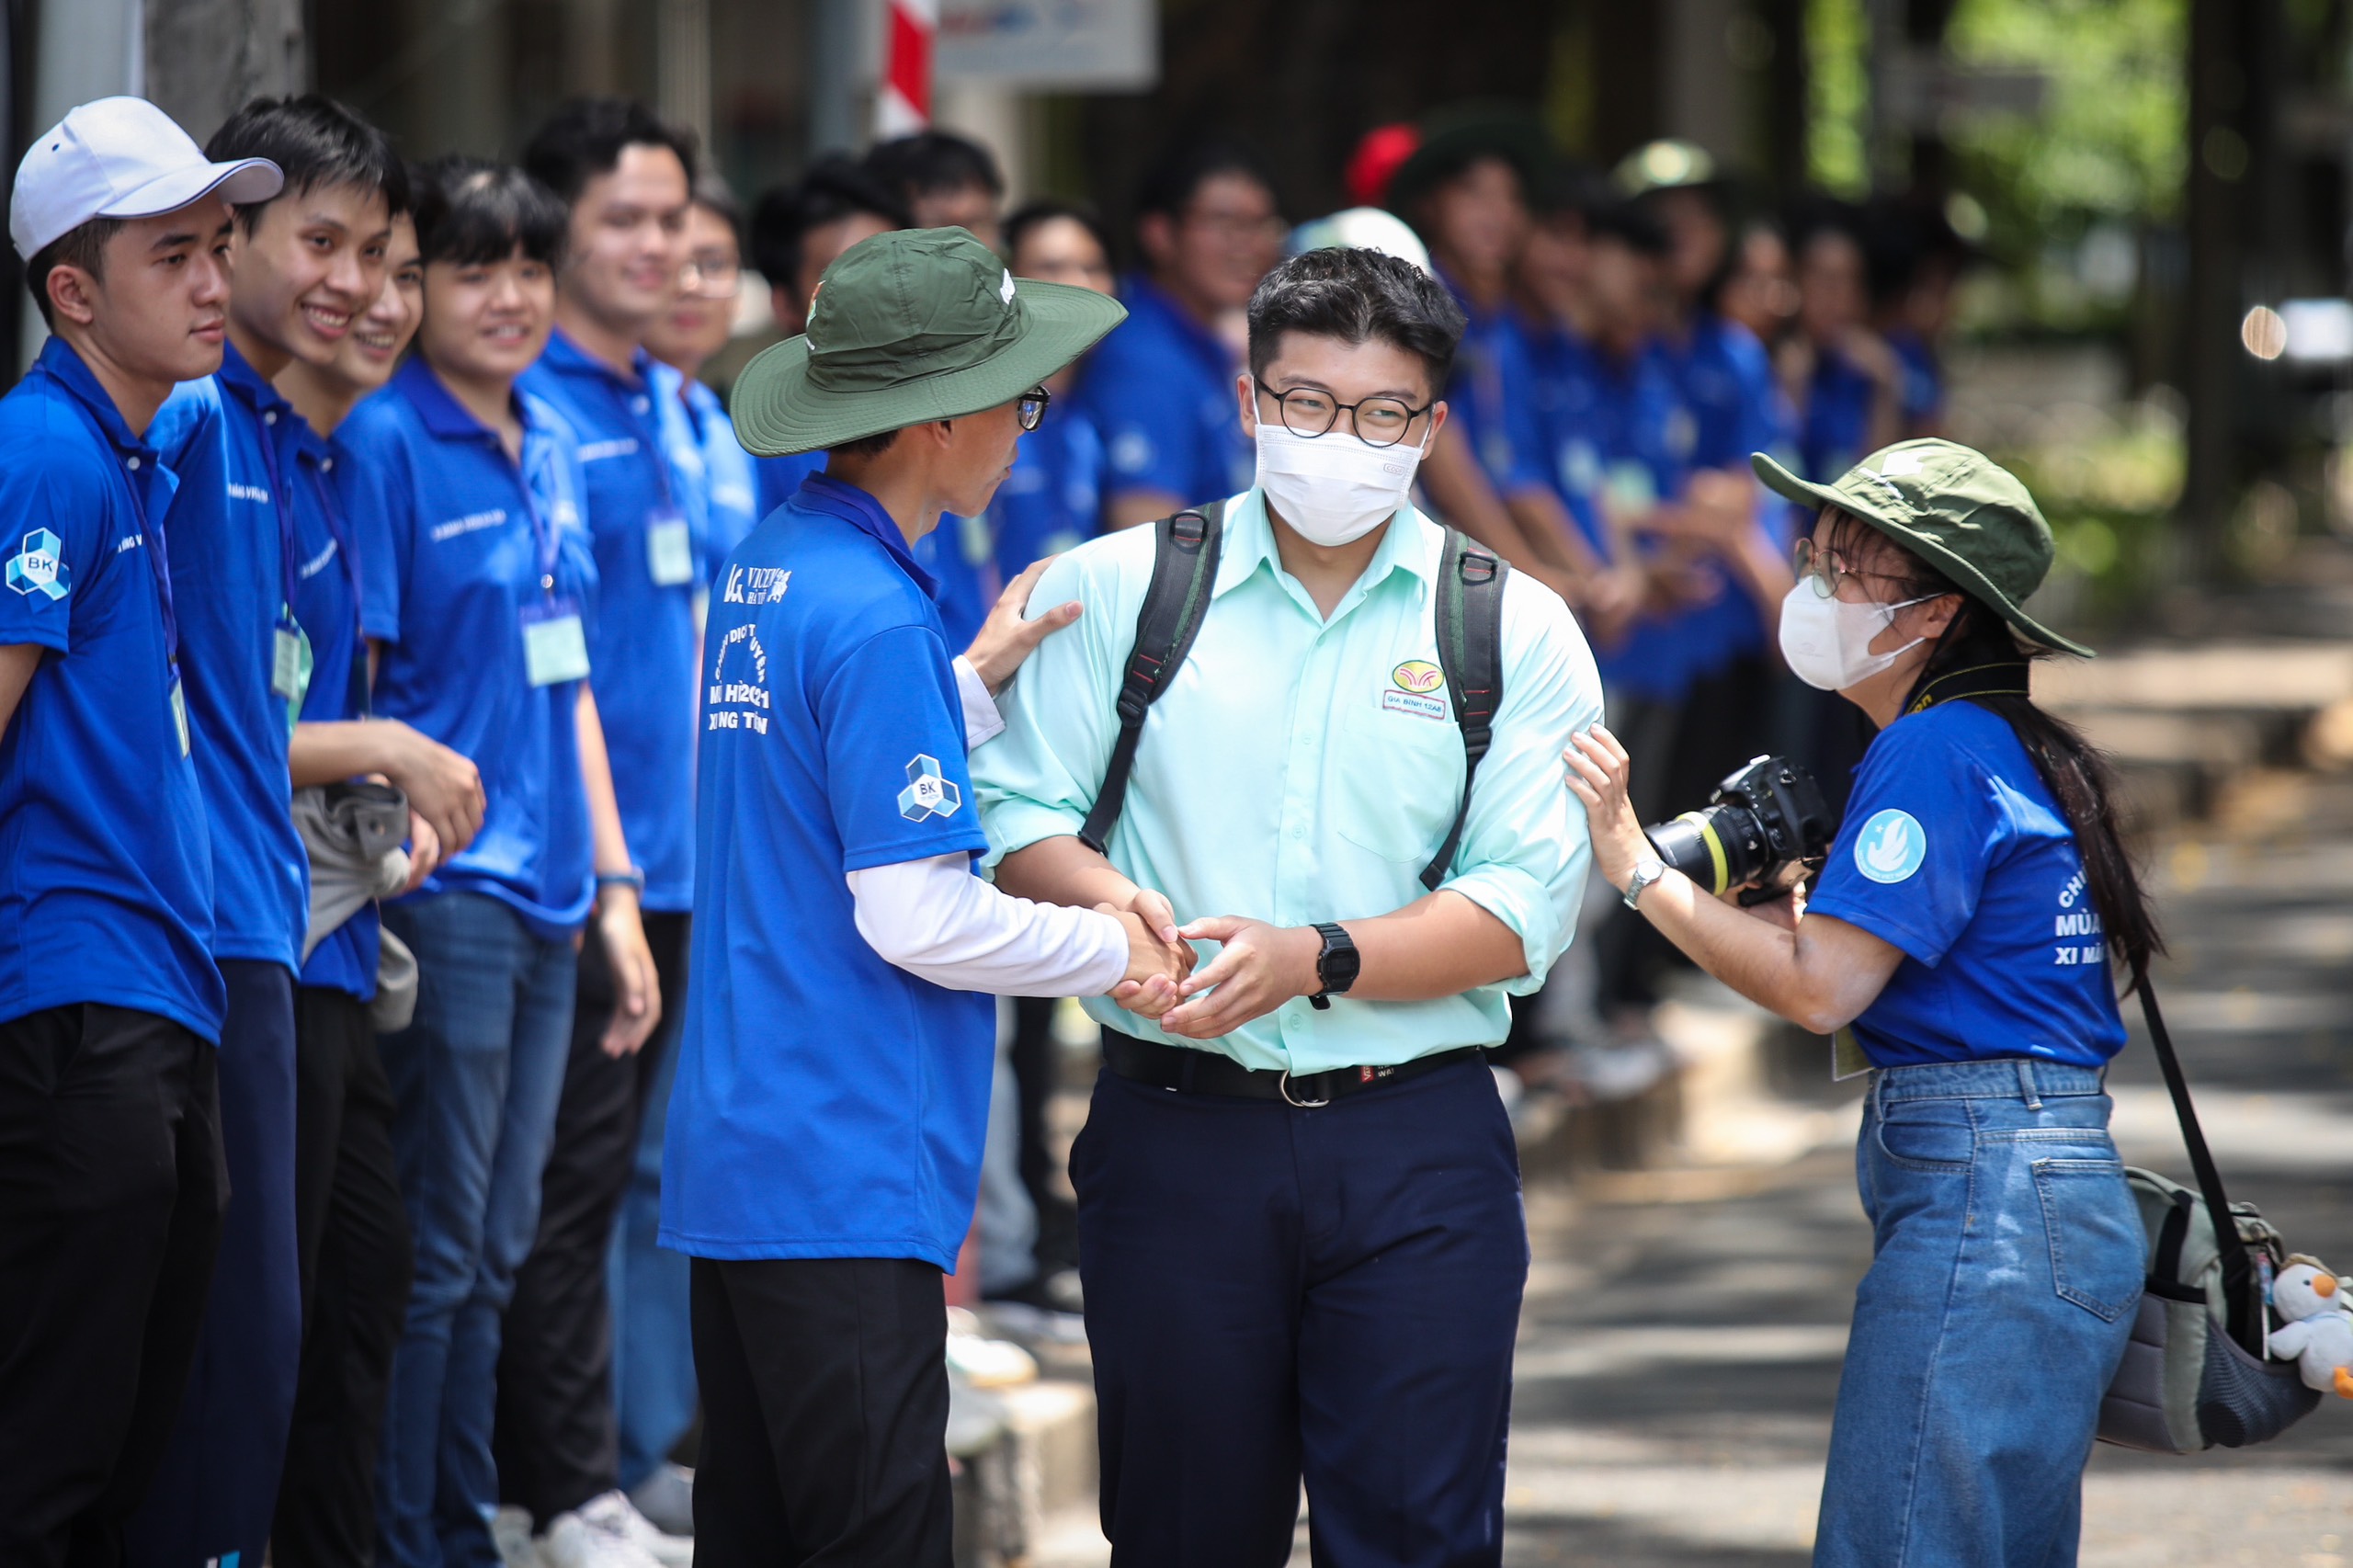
2075, 772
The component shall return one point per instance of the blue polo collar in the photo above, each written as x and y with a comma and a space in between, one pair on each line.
566, 357
253, 388
823, 492
63, 364
1143, 297
445, 419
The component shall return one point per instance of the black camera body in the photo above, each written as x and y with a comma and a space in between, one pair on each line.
1765, 823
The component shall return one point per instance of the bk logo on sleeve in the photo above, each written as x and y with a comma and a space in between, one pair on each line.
927, 795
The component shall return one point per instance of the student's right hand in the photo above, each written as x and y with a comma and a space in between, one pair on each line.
1155, 966
423, 851
442, 787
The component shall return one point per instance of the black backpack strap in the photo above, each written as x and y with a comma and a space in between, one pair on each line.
1184, 568
2238, 1268
1469, 624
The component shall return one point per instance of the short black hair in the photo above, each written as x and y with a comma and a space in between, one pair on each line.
931, 161
1630, 223
834, 186
1047, 209
865, 445
1356, 295
712, 195
585, 137
1178, 176
472, 212
83, 246
317, 144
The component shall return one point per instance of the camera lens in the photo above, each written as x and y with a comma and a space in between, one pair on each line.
1718, 847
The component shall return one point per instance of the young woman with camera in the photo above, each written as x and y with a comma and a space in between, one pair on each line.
1958, 941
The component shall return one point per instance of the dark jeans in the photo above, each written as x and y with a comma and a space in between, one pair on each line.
824, 1414
354, 1238
111, 1191
559, 1442
1274, 1292
216, 1486
475, 1078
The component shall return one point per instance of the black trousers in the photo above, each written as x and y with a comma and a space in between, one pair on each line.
112, 1189
1036, 1065
558, 1441
354, 1240
824, 1414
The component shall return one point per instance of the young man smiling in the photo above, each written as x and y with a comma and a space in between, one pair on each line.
304, 264
628, 179
110, 1004
1300, 1228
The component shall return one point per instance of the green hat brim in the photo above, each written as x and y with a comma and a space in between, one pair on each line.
779, 410
1929, 548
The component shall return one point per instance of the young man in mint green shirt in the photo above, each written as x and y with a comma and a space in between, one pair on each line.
1300, 1234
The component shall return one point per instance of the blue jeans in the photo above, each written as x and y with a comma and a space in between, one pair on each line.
653, 1354
2007, 1260
475, 1077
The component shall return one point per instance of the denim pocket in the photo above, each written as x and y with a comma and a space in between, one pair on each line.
2098, 1252
1932, 1136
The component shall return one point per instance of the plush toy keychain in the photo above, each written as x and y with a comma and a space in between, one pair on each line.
2318, 1335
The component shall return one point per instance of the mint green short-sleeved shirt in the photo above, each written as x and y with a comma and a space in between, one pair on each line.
1299, 770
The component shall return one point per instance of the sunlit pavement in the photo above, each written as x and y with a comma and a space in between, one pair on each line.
1679, 1353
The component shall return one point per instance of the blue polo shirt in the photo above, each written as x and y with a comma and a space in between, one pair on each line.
718, 479
1160, 390
231, 440
1835, 421
1054, 497
827, 1104
1924, 379
326, 601
108, 891
454, 539
1565, 384
958, 554
641, 653
1492, 395
1953, 850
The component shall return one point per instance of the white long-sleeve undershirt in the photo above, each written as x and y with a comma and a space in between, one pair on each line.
934, 918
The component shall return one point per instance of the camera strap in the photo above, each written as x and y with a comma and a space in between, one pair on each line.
2238, 1267
2001, 677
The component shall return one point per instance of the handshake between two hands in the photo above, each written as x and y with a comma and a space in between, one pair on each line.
1257, 969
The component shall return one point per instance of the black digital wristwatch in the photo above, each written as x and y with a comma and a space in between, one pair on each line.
1337, 966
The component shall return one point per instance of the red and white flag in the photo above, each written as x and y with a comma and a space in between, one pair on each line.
905, 103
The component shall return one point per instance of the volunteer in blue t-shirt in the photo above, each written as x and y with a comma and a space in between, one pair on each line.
350, 1220
834, 1082
628, 179
305, 264
1959, 940
476, 581
111, 1177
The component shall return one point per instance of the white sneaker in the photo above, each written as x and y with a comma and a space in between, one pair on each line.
607, 1532
666, 1498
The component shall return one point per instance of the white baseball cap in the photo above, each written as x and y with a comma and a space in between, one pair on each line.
120, 158
1362, 228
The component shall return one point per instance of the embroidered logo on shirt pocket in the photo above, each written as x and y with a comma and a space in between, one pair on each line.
2098, 1253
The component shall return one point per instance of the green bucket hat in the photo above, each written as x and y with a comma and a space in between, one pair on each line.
1955, 509
906, 327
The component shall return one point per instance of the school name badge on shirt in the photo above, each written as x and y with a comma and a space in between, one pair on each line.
1414, 689
555, 645
669, 548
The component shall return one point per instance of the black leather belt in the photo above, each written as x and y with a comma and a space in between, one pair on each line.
1207, 1073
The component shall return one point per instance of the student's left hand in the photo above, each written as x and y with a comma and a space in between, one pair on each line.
1598, 768
1008, 637
1258, 968
637, 991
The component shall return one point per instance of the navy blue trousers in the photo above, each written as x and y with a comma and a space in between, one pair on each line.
214, 1493
1276, 1293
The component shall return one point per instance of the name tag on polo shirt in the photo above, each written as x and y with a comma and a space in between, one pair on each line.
179, 712
669, 549
555, 645
290, 662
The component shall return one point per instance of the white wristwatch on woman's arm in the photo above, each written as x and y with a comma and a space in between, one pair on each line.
1647, 871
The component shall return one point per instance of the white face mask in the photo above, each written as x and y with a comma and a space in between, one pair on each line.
1828, 642
1333, 488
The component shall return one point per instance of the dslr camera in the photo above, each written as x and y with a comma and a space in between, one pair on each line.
1765, 826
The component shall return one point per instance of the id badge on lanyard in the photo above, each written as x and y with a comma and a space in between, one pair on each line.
179, 707
289, 665
669, 548
555, 644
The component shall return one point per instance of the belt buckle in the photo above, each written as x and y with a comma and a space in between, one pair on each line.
1283, 1084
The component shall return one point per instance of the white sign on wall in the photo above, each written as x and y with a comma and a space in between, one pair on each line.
1069, 44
